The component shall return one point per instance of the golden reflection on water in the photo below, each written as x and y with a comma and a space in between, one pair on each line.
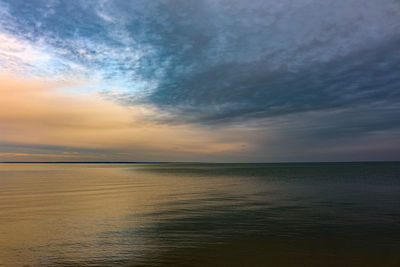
61, 211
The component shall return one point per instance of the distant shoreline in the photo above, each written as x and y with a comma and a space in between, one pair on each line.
91, 162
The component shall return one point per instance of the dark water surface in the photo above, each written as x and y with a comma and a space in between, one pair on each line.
332, 214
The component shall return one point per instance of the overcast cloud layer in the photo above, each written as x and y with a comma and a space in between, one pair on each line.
307, 70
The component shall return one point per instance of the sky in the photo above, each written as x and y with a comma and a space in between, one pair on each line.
200, 80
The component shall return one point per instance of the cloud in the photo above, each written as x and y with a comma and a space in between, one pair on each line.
305, 70
224, 58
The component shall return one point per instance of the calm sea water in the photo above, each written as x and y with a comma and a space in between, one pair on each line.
337, 214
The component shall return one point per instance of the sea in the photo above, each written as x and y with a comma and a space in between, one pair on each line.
200, 214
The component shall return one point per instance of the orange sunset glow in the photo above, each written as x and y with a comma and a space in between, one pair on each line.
35, 112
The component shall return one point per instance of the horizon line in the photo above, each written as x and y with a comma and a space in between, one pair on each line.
188, 162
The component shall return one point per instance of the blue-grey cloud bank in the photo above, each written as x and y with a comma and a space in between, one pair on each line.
311, 73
